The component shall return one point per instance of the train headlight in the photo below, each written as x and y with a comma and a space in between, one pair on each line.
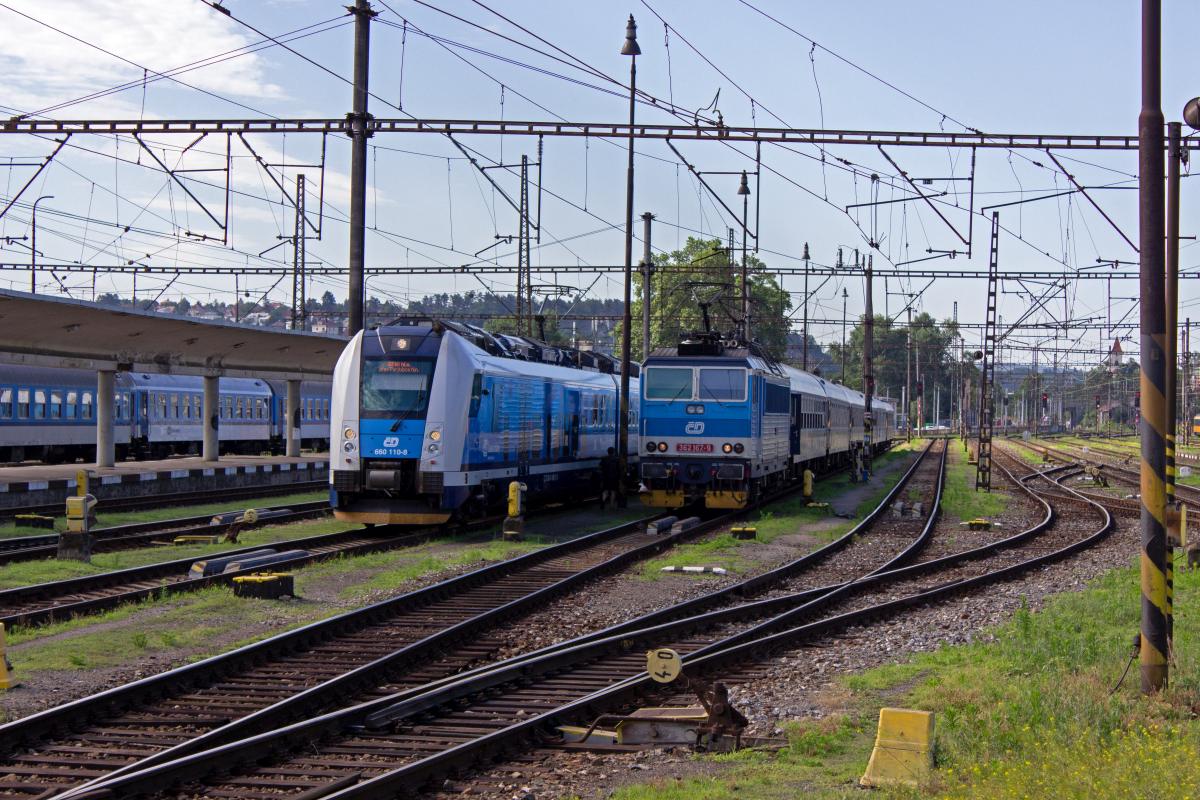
727, 448
348, 447
349, 433
739, 447
650, 447
435, 436
434, 448
662, 447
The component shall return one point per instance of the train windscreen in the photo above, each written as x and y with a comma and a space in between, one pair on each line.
395, 387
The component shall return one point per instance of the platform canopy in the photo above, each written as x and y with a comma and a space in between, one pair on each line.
60, 332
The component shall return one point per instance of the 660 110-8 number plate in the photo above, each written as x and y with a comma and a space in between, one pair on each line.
690, 447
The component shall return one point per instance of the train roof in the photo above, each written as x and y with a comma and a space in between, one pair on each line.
505, 345
193, 383
17, 374
484, 360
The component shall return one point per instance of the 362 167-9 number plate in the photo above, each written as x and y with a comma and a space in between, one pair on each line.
690, 447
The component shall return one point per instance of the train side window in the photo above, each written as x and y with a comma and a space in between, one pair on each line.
162, 405
85, 405
174, 406
325, 409
476, 396
69, 408
39, 404
22, 404
56, 404
6, 403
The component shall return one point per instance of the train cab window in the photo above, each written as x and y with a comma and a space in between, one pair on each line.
85, 405
668, 383
22, 404
39, 404
6, 403
723, 384
69, 408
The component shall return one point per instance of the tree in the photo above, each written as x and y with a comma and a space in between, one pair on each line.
701, 274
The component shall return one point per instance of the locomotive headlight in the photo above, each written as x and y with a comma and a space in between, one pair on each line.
348, 447
435, 436
349, 433
434, 448
739, 447
727, 448
650, 447
662, 447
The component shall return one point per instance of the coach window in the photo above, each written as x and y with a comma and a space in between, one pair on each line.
162, 405
56, 404
39, 404
69, 409
85, 405
22, 404
668, 383
723, 384
6, 403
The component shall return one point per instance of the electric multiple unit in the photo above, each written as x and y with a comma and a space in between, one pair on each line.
433, 419
722, 423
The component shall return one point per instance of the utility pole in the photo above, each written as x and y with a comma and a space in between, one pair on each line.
647, 272
1187, 382
868, 368
524, 274
33, 251
908, 378
845, 297
359, 120
629, 48
805, 343
299, 312
1171, 299
744, 191
1153, 641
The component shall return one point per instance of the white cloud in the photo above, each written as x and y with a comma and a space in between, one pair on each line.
40, 67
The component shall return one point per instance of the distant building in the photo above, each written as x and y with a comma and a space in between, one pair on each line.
1114, 356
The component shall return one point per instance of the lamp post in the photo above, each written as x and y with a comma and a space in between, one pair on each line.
33, 244
744, 192
631, 49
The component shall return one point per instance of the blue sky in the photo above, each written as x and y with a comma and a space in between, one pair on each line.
1022, 67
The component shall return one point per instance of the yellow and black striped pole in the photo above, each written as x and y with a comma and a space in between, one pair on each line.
1153, 648
1171, 360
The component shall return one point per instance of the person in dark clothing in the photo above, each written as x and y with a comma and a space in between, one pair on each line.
610, 478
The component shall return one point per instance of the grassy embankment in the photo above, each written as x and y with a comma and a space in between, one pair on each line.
785, 517
1029, 712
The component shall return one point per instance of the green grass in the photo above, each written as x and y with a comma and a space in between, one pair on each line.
105, 520
784, 517
26, 573
1030, 713
959, 498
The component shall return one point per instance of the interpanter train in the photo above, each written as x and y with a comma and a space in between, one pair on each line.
432, 420
722, 423
49, 414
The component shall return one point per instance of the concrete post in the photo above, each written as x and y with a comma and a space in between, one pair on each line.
106, 451
212, 418
291, 430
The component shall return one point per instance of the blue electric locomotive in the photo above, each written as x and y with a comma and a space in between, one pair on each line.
433, 419
722, 423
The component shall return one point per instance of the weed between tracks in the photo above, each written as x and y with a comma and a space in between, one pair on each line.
1025, 712
172, 512
786, 517
959, 498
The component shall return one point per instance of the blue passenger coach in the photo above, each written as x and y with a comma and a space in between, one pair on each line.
432, 420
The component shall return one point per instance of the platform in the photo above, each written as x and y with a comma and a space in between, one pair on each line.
46, 484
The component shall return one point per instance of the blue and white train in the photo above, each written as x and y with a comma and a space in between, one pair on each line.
722, 423
49, 414
433, 419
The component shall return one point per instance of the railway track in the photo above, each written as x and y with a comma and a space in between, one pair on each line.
926, 473
397, 745
141, 534
137, 503
382, 649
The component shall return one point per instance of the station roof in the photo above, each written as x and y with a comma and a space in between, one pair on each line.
59, 332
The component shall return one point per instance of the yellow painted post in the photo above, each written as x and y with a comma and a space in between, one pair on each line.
6, 681
903, 751
808, 484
